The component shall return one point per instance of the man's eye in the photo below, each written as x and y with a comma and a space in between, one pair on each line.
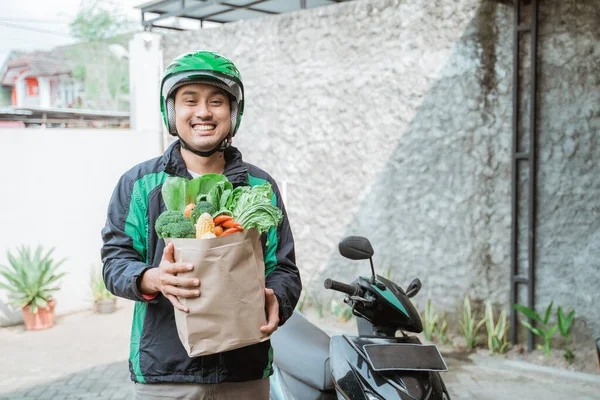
190, 101
216, 102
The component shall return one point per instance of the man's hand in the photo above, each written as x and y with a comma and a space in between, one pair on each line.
272, 309
164, 279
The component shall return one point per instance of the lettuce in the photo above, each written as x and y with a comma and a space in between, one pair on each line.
215, 194
178, 192
261, 216
253, 208
174, 193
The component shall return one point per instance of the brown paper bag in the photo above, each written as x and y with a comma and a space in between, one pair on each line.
231, 307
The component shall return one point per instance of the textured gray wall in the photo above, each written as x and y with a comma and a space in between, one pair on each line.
392, 119
568, 245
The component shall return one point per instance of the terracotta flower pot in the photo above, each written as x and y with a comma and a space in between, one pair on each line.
43, 319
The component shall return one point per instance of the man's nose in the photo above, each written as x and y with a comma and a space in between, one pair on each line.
202, 111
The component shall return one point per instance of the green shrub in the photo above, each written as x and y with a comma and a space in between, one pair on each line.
543, 330
565, 323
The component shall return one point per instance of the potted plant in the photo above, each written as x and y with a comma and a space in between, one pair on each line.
104, 301
31, 277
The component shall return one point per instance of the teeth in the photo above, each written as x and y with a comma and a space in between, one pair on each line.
203, 127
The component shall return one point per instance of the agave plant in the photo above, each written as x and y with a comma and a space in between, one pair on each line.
99, 290
430, 320
497, 332
31, 277
469, 327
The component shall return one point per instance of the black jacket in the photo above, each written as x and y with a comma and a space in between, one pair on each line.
131, 246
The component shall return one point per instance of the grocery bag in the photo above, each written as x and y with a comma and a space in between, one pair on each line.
231, 307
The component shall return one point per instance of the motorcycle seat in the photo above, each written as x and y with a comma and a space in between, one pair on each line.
302, 351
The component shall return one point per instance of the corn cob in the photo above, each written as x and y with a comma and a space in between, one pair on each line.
204, 224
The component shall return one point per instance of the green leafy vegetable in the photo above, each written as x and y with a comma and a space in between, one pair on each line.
191, 190
254, 208
224, 198
215, 194
235, 196
261, 216
208, 181
179, 192
174, 193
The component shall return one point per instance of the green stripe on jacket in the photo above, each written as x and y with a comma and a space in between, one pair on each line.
271, 250
136, 226
270, 257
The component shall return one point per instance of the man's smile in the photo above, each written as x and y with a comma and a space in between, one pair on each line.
204, 127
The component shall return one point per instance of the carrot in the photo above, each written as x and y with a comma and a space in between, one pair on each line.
188, 209
222, 218
218, 230
231, 224
232, 230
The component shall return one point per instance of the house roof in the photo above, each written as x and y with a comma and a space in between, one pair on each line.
38, 63
6, 58
41, 63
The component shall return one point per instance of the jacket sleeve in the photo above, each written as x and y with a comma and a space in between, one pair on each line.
281, 272
124, 243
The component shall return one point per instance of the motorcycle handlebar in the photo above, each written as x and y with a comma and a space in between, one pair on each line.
350, 290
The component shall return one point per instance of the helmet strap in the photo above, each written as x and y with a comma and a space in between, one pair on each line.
220, 147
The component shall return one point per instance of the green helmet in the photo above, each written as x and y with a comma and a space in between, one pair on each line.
201, 67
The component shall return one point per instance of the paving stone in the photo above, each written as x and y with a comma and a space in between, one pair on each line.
473, 378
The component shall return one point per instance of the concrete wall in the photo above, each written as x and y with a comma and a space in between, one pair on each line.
568, 263
55, 187
392, 119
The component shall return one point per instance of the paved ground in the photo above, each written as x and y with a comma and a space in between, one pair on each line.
84, 357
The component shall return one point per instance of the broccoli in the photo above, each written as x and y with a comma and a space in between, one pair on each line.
174, 224
201, 208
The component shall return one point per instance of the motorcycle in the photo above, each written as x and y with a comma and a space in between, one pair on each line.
376, 364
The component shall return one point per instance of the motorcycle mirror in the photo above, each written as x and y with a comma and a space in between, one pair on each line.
356, 248
413, 288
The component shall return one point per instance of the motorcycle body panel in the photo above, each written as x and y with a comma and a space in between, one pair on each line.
286, 387
354, 377
393, 309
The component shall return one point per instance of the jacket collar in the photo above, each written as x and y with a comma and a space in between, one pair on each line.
236, 170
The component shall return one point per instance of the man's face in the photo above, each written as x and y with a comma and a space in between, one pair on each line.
202, 115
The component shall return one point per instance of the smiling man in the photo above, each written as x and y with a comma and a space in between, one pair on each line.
202, 102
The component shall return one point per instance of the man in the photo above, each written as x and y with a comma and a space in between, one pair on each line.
202, 102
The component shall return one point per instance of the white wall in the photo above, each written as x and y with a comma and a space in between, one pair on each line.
55, 186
